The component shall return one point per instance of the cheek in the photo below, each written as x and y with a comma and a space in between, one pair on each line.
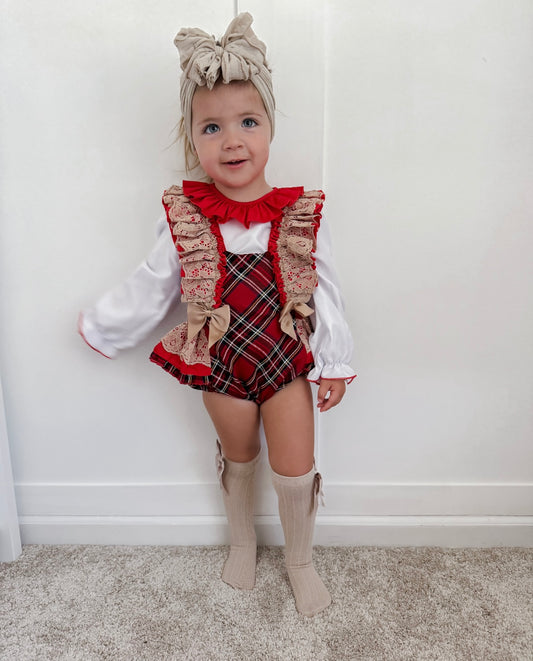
207, 157
203, 152
199, 143
265, 149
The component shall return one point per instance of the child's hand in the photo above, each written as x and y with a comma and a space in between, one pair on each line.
330, 393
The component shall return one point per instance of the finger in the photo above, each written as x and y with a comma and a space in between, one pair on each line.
323, 392
331, 401
336, 393
324, 397
321, 403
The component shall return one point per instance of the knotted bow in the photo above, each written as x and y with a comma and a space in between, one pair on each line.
285, 319
199, 313
238, 56
318, 493
220, 465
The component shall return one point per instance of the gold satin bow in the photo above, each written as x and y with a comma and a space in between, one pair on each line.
199, 313
286, 318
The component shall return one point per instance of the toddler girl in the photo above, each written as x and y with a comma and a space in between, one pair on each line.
248, 259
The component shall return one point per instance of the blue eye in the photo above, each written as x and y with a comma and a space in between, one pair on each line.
249, 123
211, 128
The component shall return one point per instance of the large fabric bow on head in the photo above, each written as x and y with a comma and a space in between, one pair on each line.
238, 56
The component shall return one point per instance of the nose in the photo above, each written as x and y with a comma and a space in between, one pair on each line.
232, 139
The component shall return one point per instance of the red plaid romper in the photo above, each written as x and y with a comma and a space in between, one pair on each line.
254, 358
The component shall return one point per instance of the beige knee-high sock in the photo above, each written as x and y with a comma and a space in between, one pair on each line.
298, 502
237, 482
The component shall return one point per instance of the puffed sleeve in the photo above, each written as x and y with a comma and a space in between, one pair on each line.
125, 315
331, 341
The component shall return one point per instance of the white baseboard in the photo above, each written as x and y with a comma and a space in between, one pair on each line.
450, 531
204, 499
355, 514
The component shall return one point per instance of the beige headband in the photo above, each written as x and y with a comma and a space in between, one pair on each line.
239, 55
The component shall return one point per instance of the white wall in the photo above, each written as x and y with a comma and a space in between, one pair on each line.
416, 118
10, 542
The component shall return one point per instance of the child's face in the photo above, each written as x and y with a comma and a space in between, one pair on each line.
231, 135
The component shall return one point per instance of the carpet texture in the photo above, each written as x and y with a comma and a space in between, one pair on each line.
165, 603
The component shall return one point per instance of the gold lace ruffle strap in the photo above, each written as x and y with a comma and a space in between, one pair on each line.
292, 245
201, 253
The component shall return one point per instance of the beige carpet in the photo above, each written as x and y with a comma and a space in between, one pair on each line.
159, 603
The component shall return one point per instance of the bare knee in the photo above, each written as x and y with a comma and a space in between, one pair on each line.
240, 450
288, 421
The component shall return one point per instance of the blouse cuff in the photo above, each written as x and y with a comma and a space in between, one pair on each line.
94, 338
334, 371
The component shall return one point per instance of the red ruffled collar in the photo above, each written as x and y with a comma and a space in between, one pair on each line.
213, 204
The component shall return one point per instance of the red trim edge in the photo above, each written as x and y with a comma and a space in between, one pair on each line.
349, 379
162, 357
80, 331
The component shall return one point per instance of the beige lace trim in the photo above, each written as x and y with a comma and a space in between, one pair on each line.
197, 247
294, 244
192, 352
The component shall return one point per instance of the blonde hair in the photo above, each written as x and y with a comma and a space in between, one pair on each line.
192, 161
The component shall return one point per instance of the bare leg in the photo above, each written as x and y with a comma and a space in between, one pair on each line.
289, 428
288, 422
237, 425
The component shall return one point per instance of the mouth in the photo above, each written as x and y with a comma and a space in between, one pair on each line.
235, 162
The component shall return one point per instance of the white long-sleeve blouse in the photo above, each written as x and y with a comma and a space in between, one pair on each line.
125, 315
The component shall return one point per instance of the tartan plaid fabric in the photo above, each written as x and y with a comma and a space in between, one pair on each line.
255, 358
